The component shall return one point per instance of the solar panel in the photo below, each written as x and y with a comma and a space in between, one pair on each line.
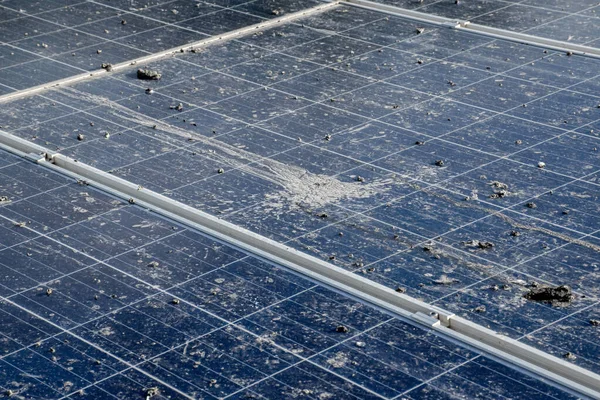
119, 302
559, 20
459, 169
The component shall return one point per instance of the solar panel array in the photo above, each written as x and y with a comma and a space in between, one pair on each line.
408, 156
102, 299
43, 41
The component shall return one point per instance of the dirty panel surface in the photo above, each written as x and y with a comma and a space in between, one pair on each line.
43, 41
461, 170
454, 174
102, 299
568, 21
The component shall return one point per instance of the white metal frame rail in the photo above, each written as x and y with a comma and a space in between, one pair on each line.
170, 52
567, 47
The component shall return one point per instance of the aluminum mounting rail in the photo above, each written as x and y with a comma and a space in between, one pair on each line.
523, 38
446, 323
169, 52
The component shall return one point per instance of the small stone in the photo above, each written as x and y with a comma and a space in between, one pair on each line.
515, 233
327, 138
360, 179
323, 215
419, 143
153, 391
553, 295
98, 51
123, 22
499, 185
569, 53
106, 135
147, 74
485, 245
175, 301
220, 171
153, 264
107, 66
342, 329
569, 356
80, 137
499, 194
149, 91
479, 309
360, 344
594, 322
48, 292
131, 200
439, 163
531, 205
541, 164
400, 289
518, 142
420, 30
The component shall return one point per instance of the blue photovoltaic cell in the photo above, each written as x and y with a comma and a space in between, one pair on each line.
73, 37
121, 302
412, 159
559, 20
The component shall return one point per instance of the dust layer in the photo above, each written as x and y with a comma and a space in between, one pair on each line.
516, 224
298, 187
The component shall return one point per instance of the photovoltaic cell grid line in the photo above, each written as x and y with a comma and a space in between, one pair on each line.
97, 311
469, 275
70, 38
444, 203
79, 38
569, 21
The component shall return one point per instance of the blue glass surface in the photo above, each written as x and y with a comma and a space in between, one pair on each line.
456, 168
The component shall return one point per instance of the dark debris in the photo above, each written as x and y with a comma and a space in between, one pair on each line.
559, 295
149, 75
